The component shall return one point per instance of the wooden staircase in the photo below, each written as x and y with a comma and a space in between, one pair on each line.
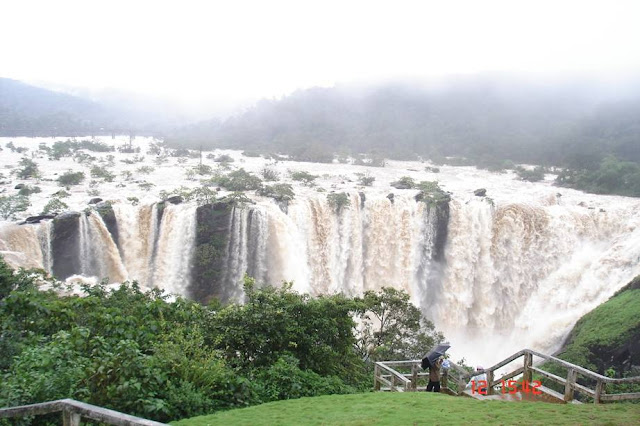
406, 376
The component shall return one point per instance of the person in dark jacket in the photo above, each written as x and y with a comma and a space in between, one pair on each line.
434, 376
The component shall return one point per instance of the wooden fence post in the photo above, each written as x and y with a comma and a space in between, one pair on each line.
568, 388
69, 418
376, 374
444, 381
600, 386
414, 377
490, 382
528, 362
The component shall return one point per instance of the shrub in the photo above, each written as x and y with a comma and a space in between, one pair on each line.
145, 170
240, 180
305, 177
270, 175
54, 205
10, 205
101, 172
28, 190
365, 179
282, 192
338, 200
432, 194
535, 175
404, 182
71, 178
224, 158
29, 169
203, 169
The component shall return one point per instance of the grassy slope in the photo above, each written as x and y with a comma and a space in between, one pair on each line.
608, 327
418, 408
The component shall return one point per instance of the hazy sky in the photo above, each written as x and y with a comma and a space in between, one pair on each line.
234, 50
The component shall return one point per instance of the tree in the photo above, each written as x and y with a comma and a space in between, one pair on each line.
338, 200
71, 178
29, 169
365, 179
54, 206
10, 205
305, 177
404, 182
393, 328
282, 192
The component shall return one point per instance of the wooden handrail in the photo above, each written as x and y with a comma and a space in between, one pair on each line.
526, 370
73, 410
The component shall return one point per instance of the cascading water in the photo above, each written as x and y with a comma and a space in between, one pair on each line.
518, 273
99, 255
138, 239
21, 246
176, 239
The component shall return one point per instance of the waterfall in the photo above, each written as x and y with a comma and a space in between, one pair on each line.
138, 238
20, 246
514, 268
519, 273
99, 255
176, 240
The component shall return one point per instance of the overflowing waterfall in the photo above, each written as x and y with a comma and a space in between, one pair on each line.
99, 255
138, 238
172, 261
21, 246
514, 272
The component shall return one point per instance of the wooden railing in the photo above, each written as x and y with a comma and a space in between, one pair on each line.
73, 410
387, 377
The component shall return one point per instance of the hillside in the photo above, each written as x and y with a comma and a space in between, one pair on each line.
483, 118
29, 110
609, 336
416, 408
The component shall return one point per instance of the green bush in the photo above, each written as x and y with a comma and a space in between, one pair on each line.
535, 175
12, 204
28, 190
54, 206
71, 178
338, 200
102, 172
305, 177
240, 180
282, 192
29, 169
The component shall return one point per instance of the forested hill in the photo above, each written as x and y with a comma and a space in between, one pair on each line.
573, 123
29, 110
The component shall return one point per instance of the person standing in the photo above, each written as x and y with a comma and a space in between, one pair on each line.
434, 376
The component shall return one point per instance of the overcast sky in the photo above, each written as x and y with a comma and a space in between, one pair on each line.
234, 50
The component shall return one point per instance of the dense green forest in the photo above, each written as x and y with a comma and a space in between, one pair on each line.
489, 122
160, 358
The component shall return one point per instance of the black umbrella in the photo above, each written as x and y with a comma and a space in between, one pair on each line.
433, 355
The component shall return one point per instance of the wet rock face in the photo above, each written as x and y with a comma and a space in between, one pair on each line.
95, 200
108, 216
480, 192
442, 230
65, 245
176, 199
212, 234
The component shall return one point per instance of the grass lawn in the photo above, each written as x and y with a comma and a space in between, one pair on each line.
419, 408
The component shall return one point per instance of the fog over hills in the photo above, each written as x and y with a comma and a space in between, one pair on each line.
27, 110
559, 121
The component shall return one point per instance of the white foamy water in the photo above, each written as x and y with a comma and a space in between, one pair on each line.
517, 270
